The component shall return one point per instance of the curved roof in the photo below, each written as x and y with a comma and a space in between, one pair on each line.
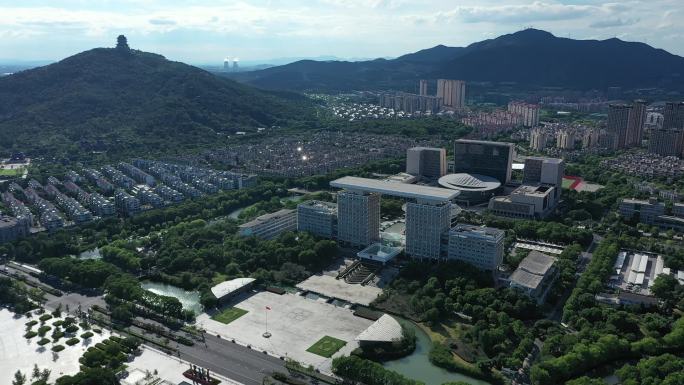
225, 288
403, 190
385, 329
469, 182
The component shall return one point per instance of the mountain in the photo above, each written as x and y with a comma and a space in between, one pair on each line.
118, 99
530, 57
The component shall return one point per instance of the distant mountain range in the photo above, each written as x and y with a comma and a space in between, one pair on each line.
530, 57
121, 99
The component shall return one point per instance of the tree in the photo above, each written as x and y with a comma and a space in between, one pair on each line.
19, 378
664, 287
36, 372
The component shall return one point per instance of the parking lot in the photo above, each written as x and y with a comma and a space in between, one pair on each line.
294, 322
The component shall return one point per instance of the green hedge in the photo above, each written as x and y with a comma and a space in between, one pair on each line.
57, 348
43, 341
86, 335
45, 317
72, 341
30, 334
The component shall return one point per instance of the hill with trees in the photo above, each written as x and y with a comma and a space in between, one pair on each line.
120, 99
530, 57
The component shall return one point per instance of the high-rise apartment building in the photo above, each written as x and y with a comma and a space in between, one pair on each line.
426, 162
423, 87
452, 92
566, 139
358, 217
425, 224
492, 159
529, 113
538, 139
482, 247
618, 122
669, 140
635, 124
591, 138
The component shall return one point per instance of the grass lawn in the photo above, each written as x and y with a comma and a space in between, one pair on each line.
11, 171
326, 346
229, 315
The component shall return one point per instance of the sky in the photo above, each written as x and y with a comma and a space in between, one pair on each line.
205, 32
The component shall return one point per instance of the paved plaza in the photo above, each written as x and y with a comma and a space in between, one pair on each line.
295, 324
18, 353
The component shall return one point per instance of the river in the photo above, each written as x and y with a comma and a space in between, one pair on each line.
418, 366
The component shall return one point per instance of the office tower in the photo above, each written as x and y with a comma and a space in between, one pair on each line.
318, 218
591, 138
425, 223
492, 159
566, 139
545, 171
226, 64
423, 87
482, 247
452, 92
528, 113
358, 217
618, 121
635, 124
235, 65
538, 139
426, 162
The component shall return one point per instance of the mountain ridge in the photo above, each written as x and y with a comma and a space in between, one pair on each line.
530, 57
108, 98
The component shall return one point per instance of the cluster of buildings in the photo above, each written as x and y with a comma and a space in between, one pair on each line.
450, 95
126, 190
646, 165
668, 139
300, 155
489, 124
653, 212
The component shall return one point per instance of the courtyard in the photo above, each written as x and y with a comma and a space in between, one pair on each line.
295, 323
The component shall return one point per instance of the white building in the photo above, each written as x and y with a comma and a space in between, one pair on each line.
482, 247
269, 226
358, 217
426, 221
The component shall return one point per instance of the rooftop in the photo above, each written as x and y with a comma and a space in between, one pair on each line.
266, 217
532, 269
482, 232
402, 190
385, 329
227, 287
485, 142
321, 206
469, 182
527, 189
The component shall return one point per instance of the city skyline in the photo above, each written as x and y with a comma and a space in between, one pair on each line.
205, 33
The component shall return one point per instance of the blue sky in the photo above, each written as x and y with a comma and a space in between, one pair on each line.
208, 31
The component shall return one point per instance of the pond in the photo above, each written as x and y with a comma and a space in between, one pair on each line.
91, 254
418, 366
189, 299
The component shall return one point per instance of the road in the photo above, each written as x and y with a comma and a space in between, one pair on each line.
232, 360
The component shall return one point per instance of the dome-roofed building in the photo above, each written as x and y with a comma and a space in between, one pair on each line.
474, 188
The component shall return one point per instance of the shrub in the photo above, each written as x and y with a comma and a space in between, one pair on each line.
72, 341
57, 335
59, 322
43, 341
43, 330
58, 348
30, 334
184, 341
31, 323
71, 329
45, 317
98, 331
86, 335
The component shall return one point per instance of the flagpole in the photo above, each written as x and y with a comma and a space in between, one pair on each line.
266, 333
